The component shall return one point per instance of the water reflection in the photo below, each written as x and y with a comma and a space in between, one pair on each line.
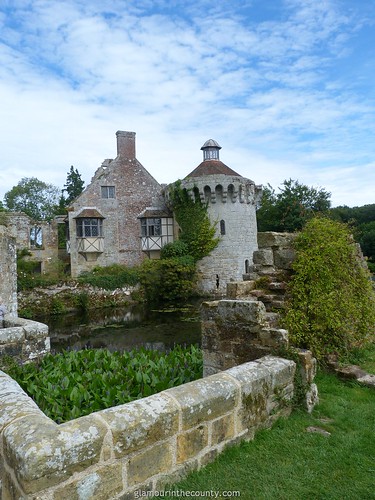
121, 329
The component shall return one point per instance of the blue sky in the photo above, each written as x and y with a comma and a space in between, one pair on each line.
286, 87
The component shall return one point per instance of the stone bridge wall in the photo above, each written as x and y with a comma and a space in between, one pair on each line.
142, 445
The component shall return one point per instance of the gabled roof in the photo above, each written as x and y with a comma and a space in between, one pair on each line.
89, 213
212, 167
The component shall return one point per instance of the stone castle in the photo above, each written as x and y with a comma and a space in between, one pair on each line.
121, 217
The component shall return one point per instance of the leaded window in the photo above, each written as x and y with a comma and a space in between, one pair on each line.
151, 226
89, 228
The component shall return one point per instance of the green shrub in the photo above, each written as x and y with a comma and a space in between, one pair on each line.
75, 383
331, 306
111, 277
176, 249
168, 280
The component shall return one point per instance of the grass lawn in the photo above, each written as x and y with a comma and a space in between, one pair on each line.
287, 462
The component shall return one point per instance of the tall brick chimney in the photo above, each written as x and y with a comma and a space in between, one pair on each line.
126, 144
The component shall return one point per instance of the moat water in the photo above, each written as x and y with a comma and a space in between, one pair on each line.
120, 329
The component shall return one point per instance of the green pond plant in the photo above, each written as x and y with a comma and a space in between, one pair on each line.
76, 383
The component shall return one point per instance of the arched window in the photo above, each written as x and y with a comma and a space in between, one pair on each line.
247, 266
222, 226
207, 194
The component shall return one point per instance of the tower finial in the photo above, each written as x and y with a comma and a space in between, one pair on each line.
210, 150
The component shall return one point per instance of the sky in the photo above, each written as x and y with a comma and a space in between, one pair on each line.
286, 87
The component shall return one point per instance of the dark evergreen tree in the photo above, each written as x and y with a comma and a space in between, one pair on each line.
73, 187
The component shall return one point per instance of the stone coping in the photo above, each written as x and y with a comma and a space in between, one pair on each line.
141, 445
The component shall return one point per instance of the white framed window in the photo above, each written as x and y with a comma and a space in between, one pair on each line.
108, 192
89, 228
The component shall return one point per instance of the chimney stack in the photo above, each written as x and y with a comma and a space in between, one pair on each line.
126, 144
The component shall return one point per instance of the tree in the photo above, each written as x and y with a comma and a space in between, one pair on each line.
33, 197
74, 186
292, 207
331, 306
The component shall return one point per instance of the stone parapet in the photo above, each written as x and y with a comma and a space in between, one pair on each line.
139, 446
23, 339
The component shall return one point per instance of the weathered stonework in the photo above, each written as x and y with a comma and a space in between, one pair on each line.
21, 339
236, 331
115, 453
8, 271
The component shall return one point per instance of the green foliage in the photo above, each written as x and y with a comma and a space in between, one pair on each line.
111, 277
176, 249
362, 221
191, 215
27, 275
33, 197
292, 207
332, 305
73, 187
168, 280
76, 383
57, 306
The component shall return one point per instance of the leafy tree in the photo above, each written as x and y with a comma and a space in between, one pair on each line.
33, 197
332, 302
292, 207
74, 186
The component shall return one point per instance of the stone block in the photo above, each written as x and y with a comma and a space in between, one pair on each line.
222, 429
14, 405
238, 312
284, 258
282, 370
274, 337
150, 462
263, 257
101, 484
191, 443
205, 399
239, 289
141, 423
43, 454
273, 239
11, 335
308, 366
209, 310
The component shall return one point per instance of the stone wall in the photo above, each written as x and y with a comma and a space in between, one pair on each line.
142, 445
8, 271
23, 339
236, 331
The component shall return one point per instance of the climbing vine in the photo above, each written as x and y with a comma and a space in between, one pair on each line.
197, 231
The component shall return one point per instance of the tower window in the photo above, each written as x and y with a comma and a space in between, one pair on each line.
222, 227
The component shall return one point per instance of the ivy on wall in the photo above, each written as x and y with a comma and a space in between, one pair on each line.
197, 231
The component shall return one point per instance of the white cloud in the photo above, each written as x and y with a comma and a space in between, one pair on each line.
271, 92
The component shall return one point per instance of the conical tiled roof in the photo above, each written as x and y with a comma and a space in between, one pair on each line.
212, 167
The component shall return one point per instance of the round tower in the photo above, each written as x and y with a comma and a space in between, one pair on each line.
231, 200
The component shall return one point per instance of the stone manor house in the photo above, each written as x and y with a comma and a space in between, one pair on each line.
122, 218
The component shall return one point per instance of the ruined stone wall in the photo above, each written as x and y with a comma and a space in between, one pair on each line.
19, 226
236, 331
8, 271
140, 446
23, 339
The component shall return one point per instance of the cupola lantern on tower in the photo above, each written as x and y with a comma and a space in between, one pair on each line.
210, 150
